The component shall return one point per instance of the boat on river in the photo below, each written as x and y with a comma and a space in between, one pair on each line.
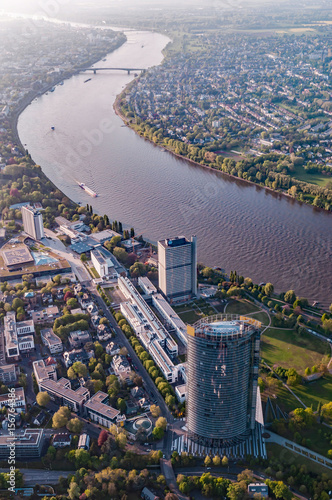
87, 189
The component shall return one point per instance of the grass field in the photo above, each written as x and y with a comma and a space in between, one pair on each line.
241, 307
262, 317
189, 317
313, 392
288, 349
318, 179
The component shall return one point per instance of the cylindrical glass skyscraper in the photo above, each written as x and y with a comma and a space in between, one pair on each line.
223, 362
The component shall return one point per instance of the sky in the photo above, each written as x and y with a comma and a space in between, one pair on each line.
32, 6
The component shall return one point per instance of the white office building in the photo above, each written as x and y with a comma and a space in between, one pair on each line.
99, 262
170, 316
33, 222
177, 268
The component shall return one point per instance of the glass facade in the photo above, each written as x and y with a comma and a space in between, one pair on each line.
223, 361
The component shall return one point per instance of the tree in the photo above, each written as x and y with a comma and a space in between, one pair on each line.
17, 303
326, 409
268, 289
80, 369
155, 411
75, 425
161, 423
102, 437
290, 297
120, 254
216, 460
43, 398
121, 405
207, 461
83, 257
170, 400
158, 433
73, 491
224, 461
121, 440
72, 303
61, 417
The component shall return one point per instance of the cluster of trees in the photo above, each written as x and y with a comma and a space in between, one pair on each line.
297, 475
70, 323
219, 487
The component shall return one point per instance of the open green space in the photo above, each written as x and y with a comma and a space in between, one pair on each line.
261, 316
288, 349
241, 307
285, 400
317, 178
189, 317
316, 391
288, 457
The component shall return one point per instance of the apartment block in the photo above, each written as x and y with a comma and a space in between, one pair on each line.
99, 411
51, 341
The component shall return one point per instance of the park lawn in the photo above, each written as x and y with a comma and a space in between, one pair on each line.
261, 316
316, 391
288, 457
285, 400
183, 308
190, 317
288, 349
241, 307
317, 178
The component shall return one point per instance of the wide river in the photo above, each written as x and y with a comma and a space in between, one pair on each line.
239, 226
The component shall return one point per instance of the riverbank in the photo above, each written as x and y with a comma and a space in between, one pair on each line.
274, 192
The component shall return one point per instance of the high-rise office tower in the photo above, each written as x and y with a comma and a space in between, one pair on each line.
177, 268
33, 223
223, 362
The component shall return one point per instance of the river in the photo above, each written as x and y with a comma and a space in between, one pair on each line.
239, 226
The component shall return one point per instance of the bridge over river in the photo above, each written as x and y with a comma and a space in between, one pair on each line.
112, 69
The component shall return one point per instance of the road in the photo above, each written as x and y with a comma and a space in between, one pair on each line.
38, 476
122, 339
53, 242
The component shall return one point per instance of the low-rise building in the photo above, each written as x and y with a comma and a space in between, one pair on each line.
258, 488
51, 341
146, 285
46, 315
112, 349
148, 494
11, 342
70, 357
79, 338
99, 263
120, 365
43, 372
84, 442
26, 343
99, 411
40, 418
8, 374
173, 320
181, 392
25, 327
61, 440
14, 399
61, 392
27, 443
